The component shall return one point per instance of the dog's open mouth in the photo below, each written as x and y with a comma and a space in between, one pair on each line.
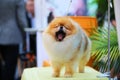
60, 35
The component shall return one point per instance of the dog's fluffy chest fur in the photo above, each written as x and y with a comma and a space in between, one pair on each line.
64, 50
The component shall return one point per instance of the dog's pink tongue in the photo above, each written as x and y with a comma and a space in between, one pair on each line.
60, 36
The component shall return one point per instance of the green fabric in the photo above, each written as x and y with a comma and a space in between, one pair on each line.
44, 73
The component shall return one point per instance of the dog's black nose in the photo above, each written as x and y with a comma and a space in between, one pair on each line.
61, 28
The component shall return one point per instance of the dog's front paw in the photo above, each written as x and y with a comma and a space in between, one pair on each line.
55, 74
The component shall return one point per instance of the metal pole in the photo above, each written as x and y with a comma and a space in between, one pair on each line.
109, 37
107, 74
69, 7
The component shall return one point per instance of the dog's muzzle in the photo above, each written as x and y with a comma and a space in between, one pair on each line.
60, 35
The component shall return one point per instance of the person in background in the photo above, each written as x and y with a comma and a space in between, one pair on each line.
12, 24
79, 8
29, 4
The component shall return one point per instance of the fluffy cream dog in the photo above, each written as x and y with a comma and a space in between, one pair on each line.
67, 45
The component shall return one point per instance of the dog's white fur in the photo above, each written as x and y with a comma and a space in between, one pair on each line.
72, 52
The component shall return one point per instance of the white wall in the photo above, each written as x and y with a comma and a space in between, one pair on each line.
117, 15
41, 23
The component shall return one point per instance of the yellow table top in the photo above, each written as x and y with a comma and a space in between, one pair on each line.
44, 73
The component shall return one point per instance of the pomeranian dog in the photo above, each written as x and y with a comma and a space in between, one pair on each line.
67, 45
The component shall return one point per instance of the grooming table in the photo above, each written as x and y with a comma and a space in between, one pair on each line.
44, 73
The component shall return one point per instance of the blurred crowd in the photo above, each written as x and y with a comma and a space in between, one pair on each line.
15, 15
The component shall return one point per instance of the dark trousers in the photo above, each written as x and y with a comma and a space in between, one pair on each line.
8, 61
33, 43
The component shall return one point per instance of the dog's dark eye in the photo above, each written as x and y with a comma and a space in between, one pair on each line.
67, 27
55, 26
